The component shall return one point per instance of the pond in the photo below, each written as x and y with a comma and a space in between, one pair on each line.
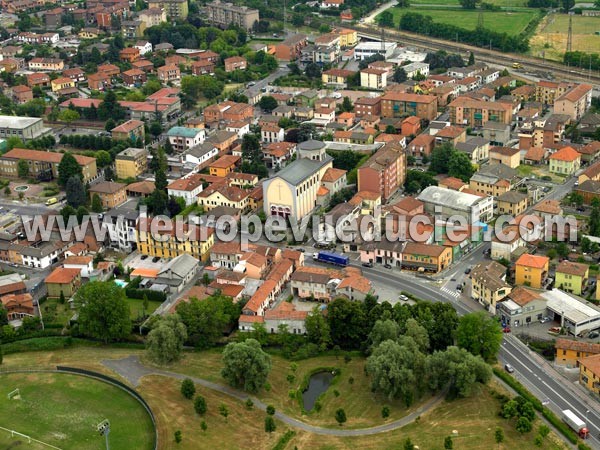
21, 188
319, 383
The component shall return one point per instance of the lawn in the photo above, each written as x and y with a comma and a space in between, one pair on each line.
551, 35
135, 306
501, 3
63, 410
475, 419
511, 23
54, 312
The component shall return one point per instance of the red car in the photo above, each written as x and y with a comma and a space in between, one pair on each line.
506, 330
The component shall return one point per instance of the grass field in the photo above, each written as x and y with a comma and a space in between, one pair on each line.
135, 306
63, 410
511, 23
502, 3
475, 419
551, 35
54, 312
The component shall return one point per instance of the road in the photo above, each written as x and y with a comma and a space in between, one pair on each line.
371, 17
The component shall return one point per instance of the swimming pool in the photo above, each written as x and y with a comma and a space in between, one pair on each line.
120, 283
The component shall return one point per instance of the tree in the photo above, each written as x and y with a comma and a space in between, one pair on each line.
271, 410
23, 168
469, 4
165, 340
448, 444
156, 129
188, 389
103, 158
480, 335
384, 330
440, 158
75, 192
499, 436
110, 108
386, 19
460, 166
523, 425
81, 212
594, 221
347, 105
203, 426
385, 411
223, 410
340, 416
246, 365
403, 3
96, 204
317, 328
267, 103
418, 333
200, 405
471, 58
347, 323
68, 116
251, 150
103, 311
205, 320
408, 445
67, 168
313, 70
400, 75
110, 124
178, 436
270, 425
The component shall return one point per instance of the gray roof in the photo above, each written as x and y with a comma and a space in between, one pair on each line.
297, 171
491, 125
512, 197
441, 196
200, 150
471, 145
500, 171
311, 145
16, 122
179, 266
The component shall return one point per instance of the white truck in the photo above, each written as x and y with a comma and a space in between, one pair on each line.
575, 423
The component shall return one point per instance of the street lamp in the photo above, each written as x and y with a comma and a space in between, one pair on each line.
104, 430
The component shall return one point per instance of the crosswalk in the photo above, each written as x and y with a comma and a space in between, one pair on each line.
448, 291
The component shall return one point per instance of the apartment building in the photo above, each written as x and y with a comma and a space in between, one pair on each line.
224, 14
400, 104
575, 102
168, 73
384, 172
111, 194
164, 243
476, 113
174, 9
131, 163
43, 164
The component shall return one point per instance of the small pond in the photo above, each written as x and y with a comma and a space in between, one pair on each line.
319, 383
21, 188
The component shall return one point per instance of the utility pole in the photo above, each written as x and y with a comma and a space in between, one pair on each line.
104, 430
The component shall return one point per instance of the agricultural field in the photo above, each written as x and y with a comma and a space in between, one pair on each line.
551, 36
63, 410
509, 4
511, 23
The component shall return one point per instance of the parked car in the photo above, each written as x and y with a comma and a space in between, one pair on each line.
367, 264
467, 270
459, 287
593, 334
387, 266
581, 209
545, 319
301, 250
509, 368
155, 259
506, 330
144, 257
403, 297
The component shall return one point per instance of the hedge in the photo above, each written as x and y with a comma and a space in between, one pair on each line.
154, 296
45, 344
134, 284
547, 413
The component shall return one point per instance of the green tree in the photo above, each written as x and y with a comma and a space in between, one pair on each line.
23, 168
267, 103
460, 166
204, 426
67, 168
188, 388
480, 335
408, 445
385, 411
68, 116
400, 75
224, 410
103, 158
75, 192
347, 323
156, 129
110, 108
313, 70
81, 212
418, 333
340, 416
270, 425
386, 19
594, 221
246, 365
440, 158
384, 330
109, 125
103, 311
317, 328
271, 410
347, 105
523, 425
448, 444
165, 340
469, 4
97, 204
471, 59
251, 150
499, 436
178, 437
200, 405
205, 320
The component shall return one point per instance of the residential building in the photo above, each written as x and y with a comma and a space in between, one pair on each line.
183, 138
203, 67
225, 14
400, 104
144, 47
168, 73
111, 194
235, 63
476, 148
225, 165
531, 271
289, 50
348, 37
476, 113
63, 281
272, 133
84, 263
278, 154
174, 9
511, 203
420, 146
572, 277
129, 54
222, 195
336, 77
445, 203
508, 156
568, 352
426, 257
384, 172
382, 252
22, 94
373, 78
368, 106
18, 306
187, 188
131, 130
131, 163
575, 102
589, 190
153, 17
488, 284
452, 134
122, 223
493, 180
566, 161
134, 77
165, 243
42, 164
46, 64
522, 307
589, 373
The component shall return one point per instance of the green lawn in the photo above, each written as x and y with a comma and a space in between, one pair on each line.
63, 410
501, 3
511, 23
135, 306
53, 312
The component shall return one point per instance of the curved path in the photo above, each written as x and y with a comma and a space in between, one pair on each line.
133, 370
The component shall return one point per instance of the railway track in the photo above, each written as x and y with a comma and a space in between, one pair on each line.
559, 71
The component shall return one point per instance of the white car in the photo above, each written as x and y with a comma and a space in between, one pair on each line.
403, 298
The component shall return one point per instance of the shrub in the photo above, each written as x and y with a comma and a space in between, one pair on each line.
270, 410
385, 412
249, 404
188, 389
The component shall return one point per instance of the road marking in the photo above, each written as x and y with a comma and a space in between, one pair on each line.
454, 294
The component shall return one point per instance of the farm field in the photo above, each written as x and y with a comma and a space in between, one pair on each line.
63, 410
502, 3
503, 22
551, 36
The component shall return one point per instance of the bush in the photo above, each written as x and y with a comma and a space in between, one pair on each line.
270, 410
151, 295
249, 404
385, 412
188, 389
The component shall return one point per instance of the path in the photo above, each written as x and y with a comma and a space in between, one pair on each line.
371, 17
133, 370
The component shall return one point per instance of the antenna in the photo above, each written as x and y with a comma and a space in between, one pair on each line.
570, 34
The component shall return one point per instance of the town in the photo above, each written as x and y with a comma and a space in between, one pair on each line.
323, 224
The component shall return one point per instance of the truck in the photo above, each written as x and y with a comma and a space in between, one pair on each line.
517, 65
332, 258
575, 423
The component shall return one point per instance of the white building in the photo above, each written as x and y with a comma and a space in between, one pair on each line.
144, 47
200, 155
84, 263
446, 203
121, 224
182, 138
416, 68
272, 133
366, 49
575, 314
187, 188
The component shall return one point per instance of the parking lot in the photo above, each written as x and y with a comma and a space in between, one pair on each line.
137, 261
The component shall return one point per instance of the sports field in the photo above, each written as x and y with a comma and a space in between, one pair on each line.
551, 35
503, 22
63, 410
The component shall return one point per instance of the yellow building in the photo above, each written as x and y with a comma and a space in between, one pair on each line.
426, 257
568, 352
175, 9
131, 163
589, 373
488, 285
219, 194
336, 77
62, 83
373, 78
348, 38
224, 165
194, 240
531, 270
511, 203
572, 277
566, 161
